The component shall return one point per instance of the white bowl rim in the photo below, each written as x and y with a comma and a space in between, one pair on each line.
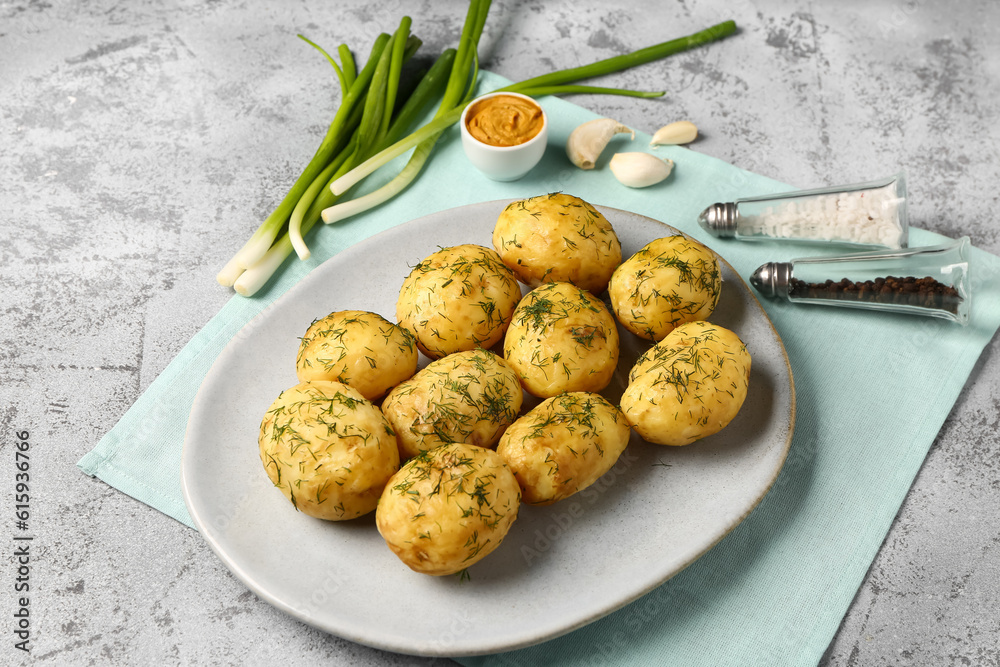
541, 135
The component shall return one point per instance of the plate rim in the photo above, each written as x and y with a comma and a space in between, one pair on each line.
204, 529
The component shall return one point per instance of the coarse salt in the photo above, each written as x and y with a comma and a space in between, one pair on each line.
867, 216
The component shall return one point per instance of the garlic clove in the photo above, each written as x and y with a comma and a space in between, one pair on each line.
639, 170
681, 132
587, 141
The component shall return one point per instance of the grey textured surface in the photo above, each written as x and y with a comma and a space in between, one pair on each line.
142, 140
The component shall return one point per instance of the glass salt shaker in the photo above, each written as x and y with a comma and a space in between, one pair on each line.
931, 281
871, 214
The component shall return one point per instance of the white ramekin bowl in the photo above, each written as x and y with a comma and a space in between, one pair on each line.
504, 163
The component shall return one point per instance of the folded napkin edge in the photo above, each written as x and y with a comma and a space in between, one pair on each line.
97, 466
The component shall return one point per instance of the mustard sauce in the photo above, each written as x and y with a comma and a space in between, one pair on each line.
504, 120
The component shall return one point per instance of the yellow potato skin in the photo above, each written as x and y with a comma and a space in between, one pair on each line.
328, 450
448, 508
562, 338
688, 386
564, 445
469, 397
456, 299
557, 238
670, 281
358, 348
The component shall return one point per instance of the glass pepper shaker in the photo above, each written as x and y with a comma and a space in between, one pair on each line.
869, 214
932, 281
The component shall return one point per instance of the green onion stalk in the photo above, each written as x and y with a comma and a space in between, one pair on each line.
336, 137
554, 83
372, 135
460, 89
427, 89
365, 134
374, 124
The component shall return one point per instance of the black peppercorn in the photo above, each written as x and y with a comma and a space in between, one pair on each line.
921, 292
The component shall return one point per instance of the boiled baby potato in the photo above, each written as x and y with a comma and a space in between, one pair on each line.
670, 281
357, 348
564, 445
557, 238
466, 397
689, 385
456, 299
328, 450
562, 338
448, 508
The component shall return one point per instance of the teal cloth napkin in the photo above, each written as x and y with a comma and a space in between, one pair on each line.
872, 392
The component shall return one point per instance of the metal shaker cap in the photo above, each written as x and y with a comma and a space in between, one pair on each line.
719, 220
772, 279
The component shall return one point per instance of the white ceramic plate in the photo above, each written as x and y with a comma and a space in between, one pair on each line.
560, 567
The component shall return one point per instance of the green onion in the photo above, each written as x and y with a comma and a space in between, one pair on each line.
545, 84
570, 89
347, 64
461, 82
431, 129
628, 60
335, 138
427, 89
379, 100
345, 85
365, 132
249, 281
461, 85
